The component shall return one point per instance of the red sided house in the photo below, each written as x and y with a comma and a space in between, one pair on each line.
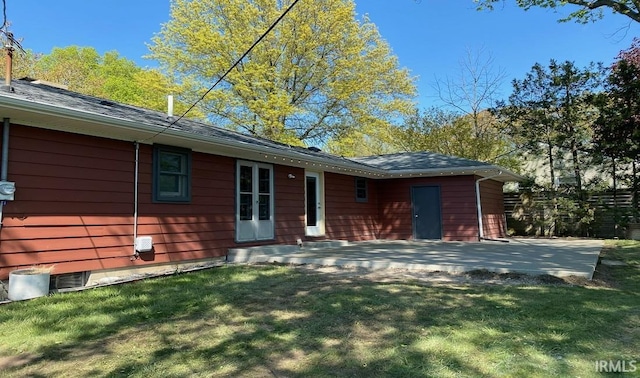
101, 186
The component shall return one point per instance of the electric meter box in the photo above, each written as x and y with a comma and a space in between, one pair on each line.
7, 190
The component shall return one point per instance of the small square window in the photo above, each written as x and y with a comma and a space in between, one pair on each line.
362, 192
171, 174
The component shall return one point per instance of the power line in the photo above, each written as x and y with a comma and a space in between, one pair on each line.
11, 41
4, 14
229, 70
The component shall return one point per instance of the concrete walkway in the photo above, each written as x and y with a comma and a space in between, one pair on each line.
557, 257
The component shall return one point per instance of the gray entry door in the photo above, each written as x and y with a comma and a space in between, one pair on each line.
427, 221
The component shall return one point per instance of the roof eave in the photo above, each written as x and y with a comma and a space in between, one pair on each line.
495, 172
148, 134
145, 133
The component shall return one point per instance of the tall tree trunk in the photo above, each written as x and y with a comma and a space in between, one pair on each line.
576, 169
552, 172
553, 198
616, 217
582, 200
635, 191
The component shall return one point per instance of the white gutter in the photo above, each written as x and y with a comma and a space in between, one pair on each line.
137, 127
479, 204
144, 131
480, 170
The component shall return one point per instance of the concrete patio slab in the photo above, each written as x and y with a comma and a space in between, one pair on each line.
557, 257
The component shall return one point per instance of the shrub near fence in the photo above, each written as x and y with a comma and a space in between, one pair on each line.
530, 213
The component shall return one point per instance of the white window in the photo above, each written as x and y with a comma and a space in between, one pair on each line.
254, 201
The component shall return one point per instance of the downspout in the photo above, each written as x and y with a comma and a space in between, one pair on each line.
5, 160
135, 202
479, 206
5, 149
6, 124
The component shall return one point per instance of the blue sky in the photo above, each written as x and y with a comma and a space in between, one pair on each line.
430, 37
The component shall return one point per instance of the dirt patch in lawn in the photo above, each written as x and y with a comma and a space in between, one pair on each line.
17, 361
601, 278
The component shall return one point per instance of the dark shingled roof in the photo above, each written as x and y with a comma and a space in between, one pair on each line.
42, 93
31, 94
45, 94
412, 161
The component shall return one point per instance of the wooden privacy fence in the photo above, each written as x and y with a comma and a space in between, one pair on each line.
611, 213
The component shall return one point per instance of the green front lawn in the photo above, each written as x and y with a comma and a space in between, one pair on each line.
280, 321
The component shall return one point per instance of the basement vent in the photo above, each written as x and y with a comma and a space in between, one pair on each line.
69, 280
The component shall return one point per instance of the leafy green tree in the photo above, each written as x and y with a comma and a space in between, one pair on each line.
528, 117
320, 75
588, 10
121, 80
617, 129
423, 131
73, 66
23, 61
363, 141
573, 112
110, 76
451, 133
23, 64
151, 88
549, 110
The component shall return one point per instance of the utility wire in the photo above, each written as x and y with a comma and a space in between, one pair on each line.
11, 41
229, 70
4, 14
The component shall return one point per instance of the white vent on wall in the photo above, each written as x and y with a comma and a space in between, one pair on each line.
144, 244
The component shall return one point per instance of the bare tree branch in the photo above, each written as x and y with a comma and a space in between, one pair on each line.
618, 6
475, 89
629, 8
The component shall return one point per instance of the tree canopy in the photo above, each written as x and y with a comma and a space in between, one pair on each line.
320, 75
618, 126
110, 76
617, 129
549, 111
452, 133
588, 10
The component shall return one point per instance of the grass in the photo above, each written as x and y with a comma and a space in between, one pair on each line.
279, 321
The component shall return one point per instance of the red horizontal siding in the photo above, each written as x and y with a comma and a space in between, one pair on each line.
494, 223
346, 218
458, 209
74, 205
289, 204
